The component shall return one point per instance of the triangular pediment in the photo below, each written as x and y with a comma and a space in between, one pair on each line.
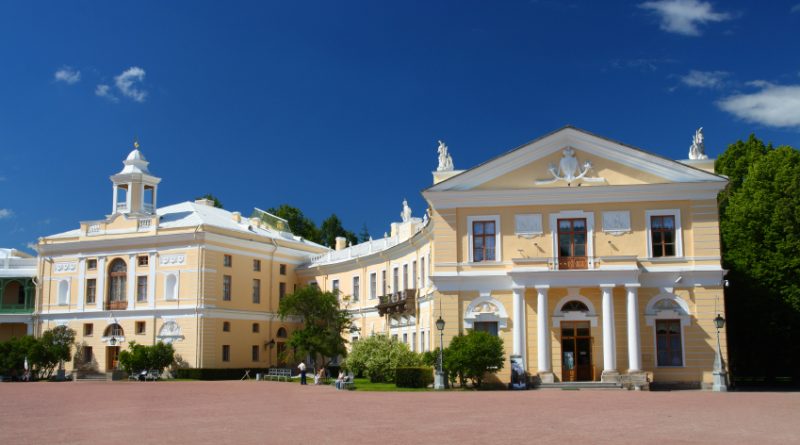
572, 157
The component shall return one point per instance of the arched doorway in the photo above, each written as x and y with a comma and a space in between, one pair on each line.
117, 285
113, 336
576, 345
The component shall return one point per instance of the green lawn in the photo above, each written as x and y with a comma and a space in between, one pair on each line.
366, 385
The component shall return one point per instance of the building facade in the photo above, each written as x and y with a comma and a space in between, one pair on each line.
591, 259
204, 279
18, 292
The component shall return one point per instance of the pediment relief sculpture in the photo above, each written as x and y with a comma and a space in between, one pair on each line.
570, 170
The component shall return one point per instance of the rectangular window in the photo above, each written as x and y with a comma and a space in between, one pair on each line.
256, 328
424, 347
256, 265
405, 276
140, 328
227, 261
226, 288
572, 243
141, 288
226, 353
335, 286
383, 282
142, 260
395, 280
87, 354
356, 288
281, 291
485, 326
413, 341
283, 269
88, 329
668, 343
255, 352
483, 241
414, 275
373, 284
91, 290
256, 291
662, 235
91, 264
405, 338
226, 326
422, 272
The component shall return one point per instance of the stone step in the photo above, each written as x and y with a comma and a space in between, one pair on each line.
93, 377
580, 385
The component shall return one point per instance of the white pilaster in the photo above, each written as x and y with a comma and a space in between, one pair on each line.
543, 331
114, 199
519, 325
100, 296
128, 197
609, 338
81, 283
151, 280
131, 283
634, 334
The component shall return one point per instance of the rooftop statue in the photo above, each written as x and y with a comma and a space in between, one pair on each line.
406, 213
445, 161
698, 148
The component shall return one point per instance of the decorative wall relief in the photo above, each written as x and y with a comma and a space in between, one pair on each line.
569, 170
617, 223
528, 225
173, 260
65, 267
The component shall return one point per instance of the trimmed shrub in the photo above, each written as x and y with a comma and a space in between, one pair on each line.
218, 373
416, 377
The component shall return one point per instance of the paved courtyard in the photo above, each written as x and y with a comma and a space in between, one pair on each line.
282, 413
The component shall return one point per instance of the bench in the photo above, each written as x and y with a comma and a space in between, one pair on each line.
278, 373
347, 383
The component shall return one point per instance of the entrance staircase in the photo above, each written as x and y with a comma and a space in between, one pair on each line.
580, 385
93, 377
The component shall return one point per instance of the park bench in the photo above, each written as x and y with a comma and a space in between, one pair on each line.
278, 373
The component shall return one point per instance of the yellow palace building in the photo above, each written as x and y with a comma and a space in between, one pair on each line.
591, 259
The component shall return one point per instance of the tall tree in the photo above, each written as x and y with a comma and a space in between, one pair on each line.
209, 196
299, 224
760, 232
331, 228
324, 322
363, 236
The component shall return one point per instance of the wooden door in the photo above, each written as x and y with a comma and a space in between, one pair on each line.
576, 351
572, 239
112, 358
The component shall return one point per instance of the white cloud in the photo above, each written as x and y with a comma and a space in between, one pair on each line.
796, 8
6, 213
684, 16
127, 83
32, 246
105, 91
704, 79
67, 75
773, 105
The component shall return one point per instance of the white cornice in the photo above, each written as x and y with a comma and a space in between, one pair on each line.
574, 195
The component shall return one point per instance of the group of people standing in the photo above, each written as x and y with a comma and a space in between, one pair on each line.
320, 376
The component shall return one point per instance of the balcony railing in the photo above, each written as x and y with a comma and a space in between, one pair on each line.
116, 305
122, 206
573, 262
16, 308
403, 302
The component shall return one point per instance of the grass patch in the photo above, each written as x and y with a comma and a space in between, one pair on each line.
366, 385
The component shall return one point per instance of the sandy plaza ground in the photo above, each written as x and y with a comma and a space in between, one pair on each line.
282, 413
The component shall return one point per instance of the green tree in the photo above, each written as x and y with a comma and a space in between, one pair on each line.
323, 322
473, 355
52, 349
760, 233
209, 196
331, 228
13, 354
141, 357
363, 236
299, 224
378, 356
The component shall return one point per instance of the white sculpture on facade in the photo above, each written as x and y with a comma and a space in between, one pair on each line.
698, 148
406, 213
568, 170
445, 161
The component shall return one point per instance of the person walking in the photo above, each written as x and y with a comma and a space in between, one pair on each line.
302, 368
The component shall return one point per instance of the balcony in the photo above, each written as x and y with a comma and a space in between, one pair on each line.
116, 305
403, 302
16, 295
573, 262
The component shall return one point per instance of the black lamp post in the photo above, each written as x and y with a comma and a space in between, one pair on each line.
439, 380
720, 377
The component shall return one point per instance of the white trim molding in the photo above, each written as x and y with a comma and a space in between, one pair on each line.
680, 312
528, 225
498, 239
678, 233
554, 217
486, 308
573, 295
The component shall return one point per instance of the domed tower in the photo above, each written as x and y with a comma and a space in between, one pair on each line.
135, 189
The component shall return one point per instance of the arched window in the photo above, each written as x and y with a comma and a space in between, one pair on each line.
172, 287
63, 292
114, 330
574, 306
667, 304
117, 280
282, 333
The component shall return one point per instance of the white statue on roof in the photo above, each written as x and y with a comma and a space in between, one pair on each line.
406, 213
445, 161
698, 148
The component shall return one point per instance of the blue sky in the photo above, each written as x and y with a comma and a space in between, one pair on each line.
337, 106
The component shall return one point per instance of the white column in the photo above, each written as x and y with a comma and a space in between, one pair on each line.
634, 335
131, 282
81, 283
519, 325
151, 280
128, 197
543, 331
101, 283
114, 199
609, 338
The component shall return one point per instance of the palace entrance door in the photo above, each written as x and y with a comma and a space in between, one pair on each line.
112, 358
576, 352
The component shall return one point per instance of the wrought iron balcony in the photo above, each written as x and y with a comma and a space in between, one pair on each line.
403, 302
116, 305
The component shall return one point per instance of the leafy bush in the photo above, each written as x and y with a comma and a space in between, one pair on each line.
413, 377
378, 356
13, 353
43, 354
141, 357
217, 373
471, 356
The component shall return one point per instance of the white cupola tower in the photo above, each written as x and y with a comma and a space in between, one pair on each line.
135, 189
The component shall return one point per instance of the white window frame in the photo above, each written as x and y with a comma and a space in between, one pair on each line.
570, 214
678, 232
651, 315
177, 277
373, 290
498, 248
356, 294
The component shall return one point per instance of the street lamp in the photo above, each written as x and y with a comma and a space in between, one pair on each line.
438, 382
720, 381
